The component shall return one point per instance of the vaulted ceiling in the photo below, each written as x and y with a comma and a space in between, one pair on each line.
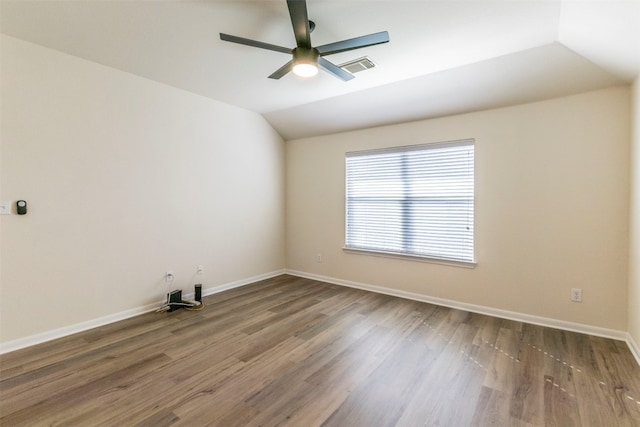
444, 57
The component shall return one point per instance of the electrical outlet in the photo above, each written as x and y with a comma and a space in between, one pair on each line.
576, 295
168, 276
200, 269
5, 207
318, 257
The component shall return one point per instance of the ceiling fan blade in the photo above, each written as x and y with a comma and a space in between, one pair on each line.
280, 72
354, 43
334, 69
300, 22
254, 43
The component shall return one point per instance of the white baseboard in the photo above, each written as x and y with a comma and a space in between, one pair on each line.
236, 284
489, 311
634, 347
53, 334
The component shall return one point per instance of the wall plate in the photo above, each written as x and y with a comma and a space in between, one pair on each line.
5, 207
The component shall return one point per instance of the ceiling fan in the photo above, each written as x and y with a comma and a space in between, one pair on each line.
306, 58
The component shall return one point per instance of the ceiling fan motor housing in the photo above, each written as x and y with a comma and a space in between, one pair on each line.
305, 56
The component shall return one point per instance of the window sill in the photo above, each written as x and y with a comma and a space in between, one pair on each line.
452, 263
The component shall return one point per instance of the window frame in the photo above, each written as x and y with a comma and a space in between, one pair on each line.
406, 255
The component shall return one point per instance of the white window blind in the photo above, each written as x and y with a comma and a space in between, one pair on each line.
416, 200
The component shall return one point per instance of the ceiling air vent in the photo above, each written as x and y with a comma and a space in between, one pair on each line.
358, 65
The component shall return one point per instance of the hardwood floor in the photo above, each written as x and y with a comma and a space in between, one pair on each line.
297, 352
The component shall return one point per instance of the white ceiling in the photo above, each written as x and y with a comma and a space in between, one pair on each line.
444, 57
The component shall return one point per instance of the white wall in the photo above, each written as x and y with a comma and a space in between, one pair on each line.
125, 178
634, 252
552, 209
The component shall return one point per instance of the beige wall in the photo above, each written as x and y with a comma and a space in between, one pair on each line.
125, 178
552, 209
634, 254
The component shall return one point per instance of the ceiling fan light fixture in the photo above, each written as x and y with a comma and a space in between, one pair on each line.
305, 70
305, 62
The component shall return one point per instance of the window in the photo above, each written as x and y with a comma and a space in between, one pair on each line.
414, 201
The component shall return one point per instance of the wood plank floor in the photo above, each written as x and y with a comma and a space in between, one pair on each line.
296, 352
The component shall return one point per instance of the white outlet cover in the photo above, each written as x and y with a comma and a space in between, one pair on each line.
5, 207
576, 295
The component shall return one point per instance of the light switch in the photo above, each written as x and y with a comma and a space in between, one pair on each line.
5, 207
